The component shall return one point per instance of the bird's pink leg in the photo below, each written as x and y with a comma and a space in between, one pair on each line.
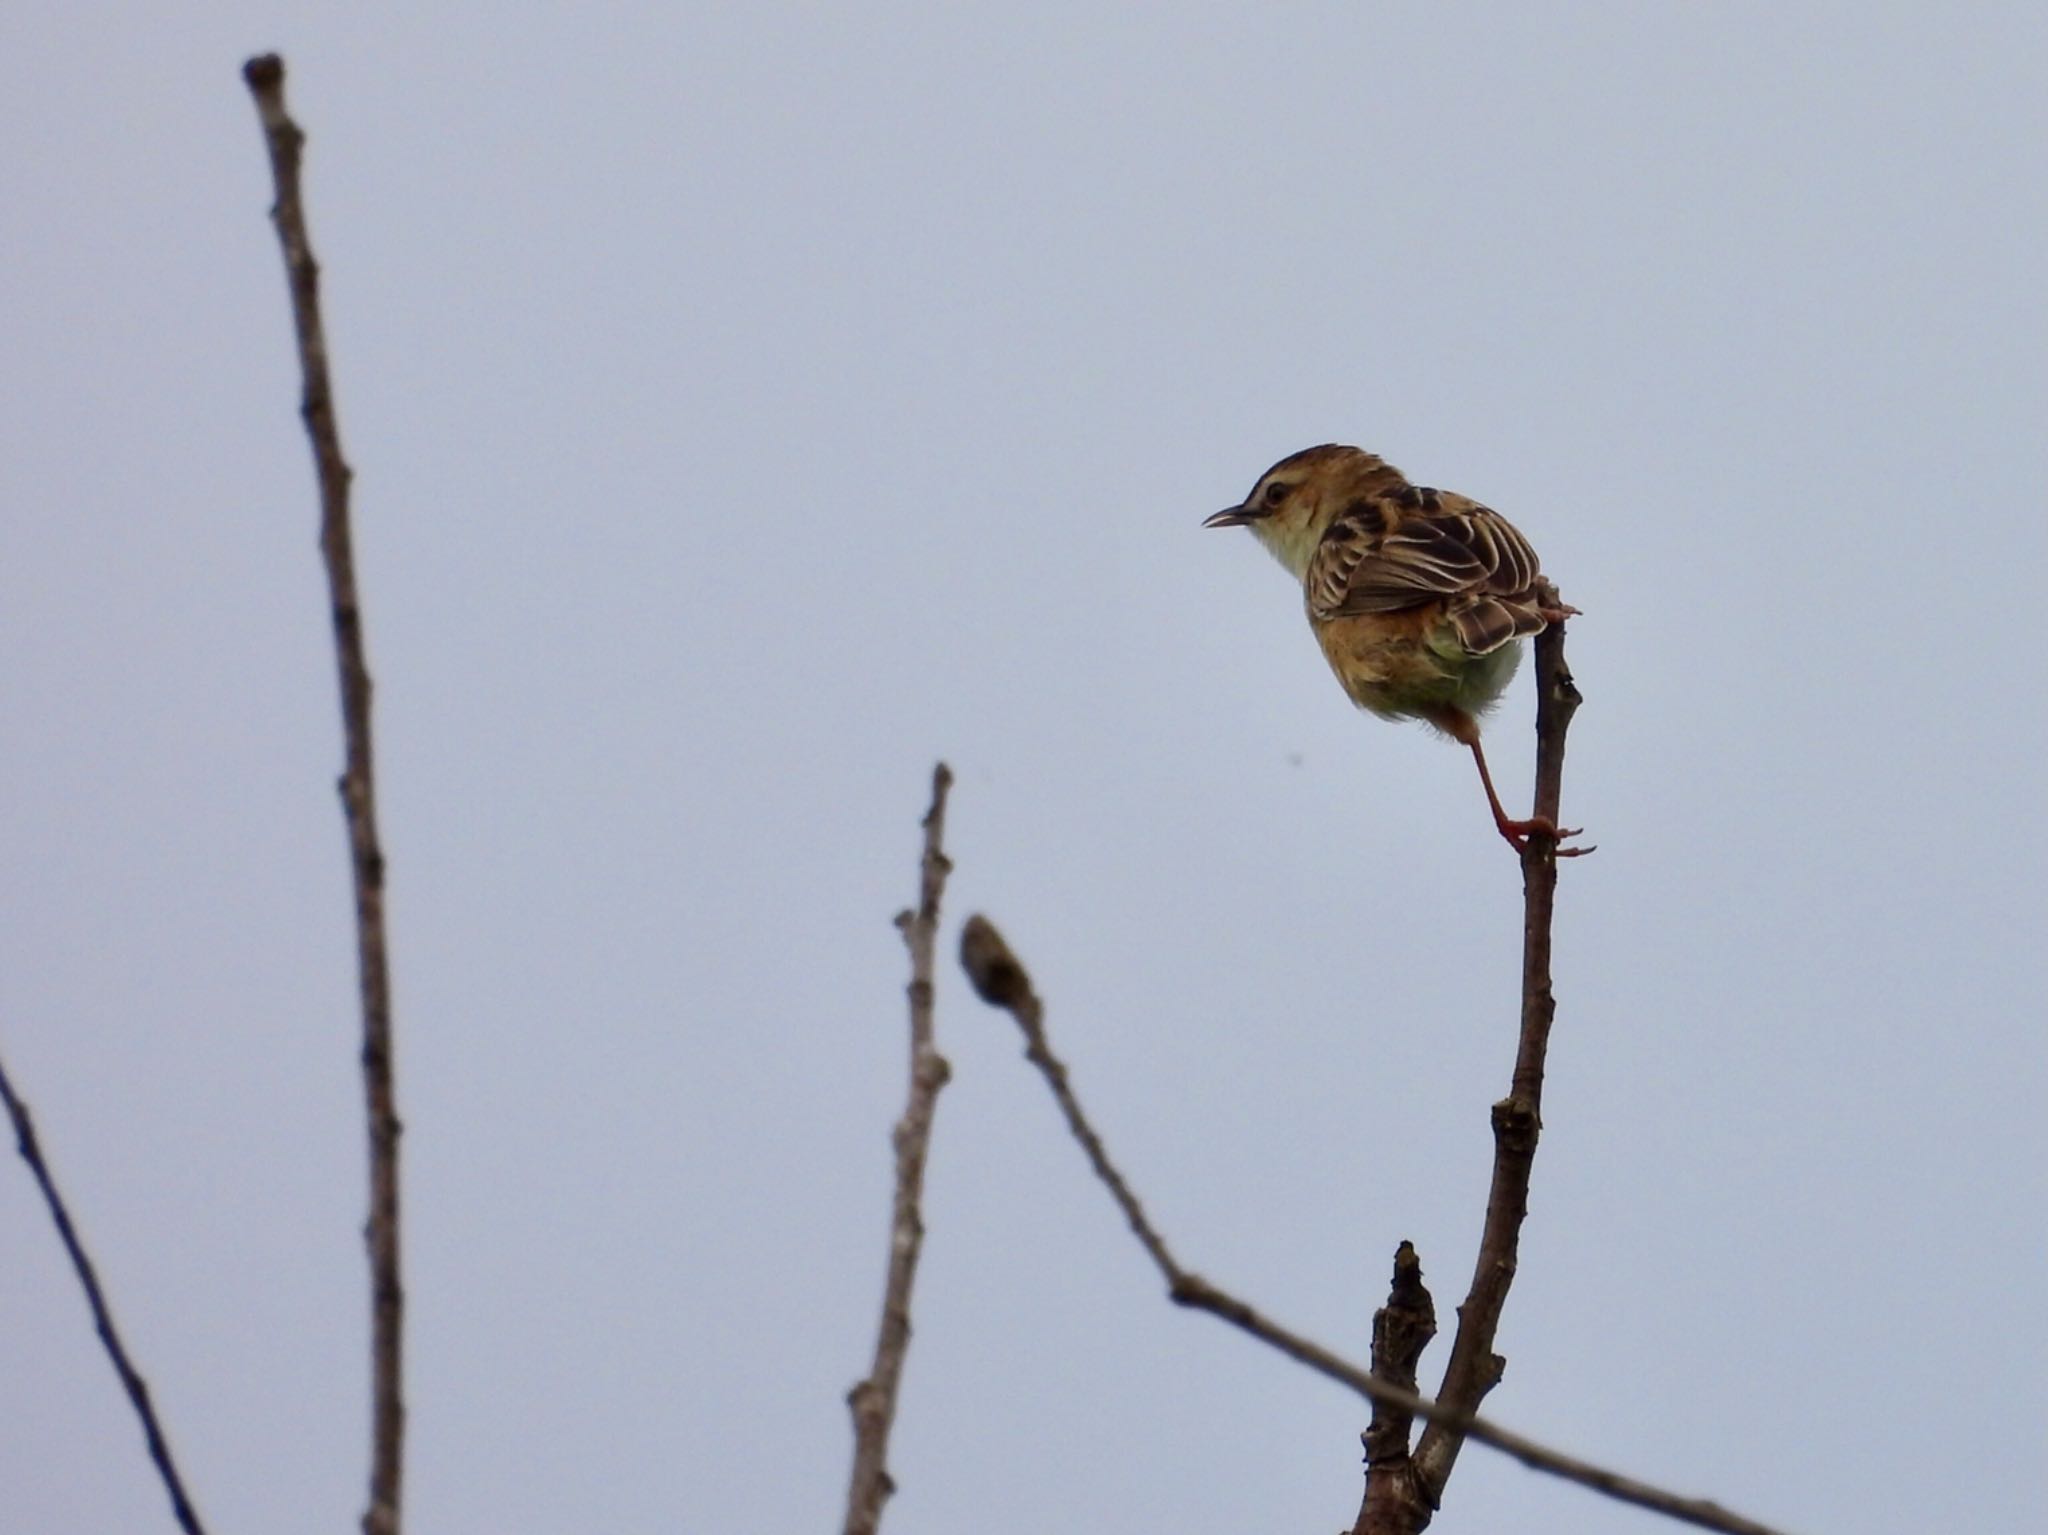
1519, 832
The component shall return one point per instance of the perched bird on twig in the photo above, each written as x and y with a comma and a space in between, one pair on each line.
1420, 598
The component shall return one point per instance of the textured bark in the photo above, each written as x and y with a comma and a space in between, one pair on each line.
873, 1399
286, 143
1395, 1498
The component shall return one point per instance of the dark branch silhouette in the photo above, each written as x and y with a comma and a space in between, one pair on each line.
1517, 1119
873, 1400
1401, 1330
1402, 1493
1001, 980
285, 141
102, 1318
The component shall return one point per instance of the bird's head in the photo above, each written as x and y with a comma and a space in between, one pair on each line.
1293, 502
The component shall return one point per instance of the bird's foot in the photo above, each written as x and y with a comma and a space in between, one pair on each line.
1518, 834
1557, 612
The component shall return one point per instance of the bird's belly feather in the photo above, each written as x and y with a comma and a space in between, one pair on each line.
1408, 665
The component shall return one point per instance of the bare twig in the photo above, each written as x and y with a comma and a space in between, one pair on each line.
285, 141
1474, 1367
873, 1400
1001, 980
102, 1318
1395, 1499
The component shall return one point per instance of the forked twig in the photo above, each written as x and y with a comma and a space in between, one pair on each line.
285, 141
1001, 980
873, 1400
1474, 1368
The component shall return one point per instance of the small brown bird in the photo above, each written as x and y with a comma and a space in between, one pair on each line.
1420, 598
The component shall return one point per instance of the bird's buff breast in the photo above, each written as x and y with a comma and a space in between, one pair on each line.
1409, 665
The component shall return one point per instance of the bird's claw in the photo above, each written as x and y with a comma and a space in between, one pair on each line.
1518, 834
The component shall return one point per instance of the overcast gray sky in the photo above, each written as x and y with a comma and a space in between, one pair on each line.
752, 403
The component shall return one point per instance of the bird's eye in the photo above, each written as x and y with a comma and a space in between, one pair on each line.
1275, 494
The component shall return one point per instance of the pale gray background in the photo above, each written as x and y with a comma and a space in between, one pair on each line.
750, 404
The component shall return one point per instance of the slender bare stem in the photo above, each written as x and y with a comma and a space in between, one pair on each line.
1474, 1368
285, 142
102, 1317
1000, 979
873, 1399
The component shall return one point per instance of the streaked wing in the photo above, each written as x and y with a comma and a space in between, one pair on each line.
1411, 546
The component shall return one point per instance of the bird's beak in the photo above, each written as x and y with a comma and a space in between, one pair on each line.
1233, 517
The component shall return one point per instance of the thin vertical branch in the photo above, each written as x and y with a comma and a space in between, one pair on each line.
873, 1400
1474, 1368
285, 141
102, 1318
